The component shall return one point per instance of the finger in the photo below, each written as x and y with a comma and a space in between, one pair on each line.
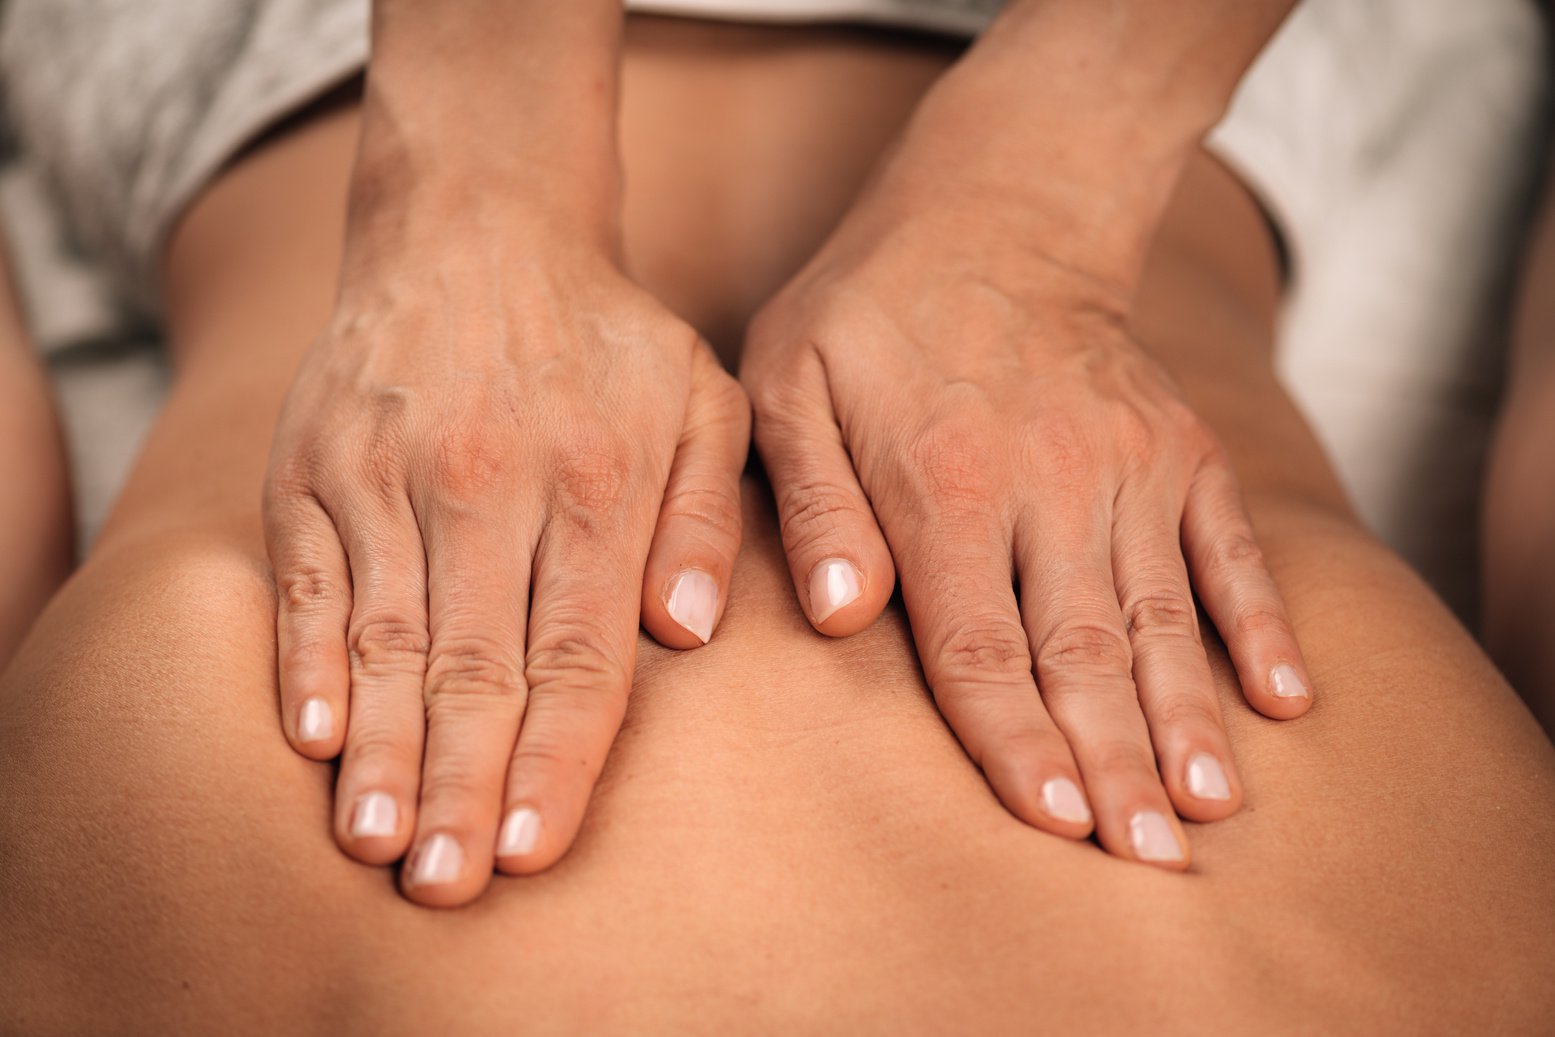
313, 606
1241, 596
961, 603
375, 794
1171, 671
698, 535
582, 645
478, 591
1084, 670
840, 564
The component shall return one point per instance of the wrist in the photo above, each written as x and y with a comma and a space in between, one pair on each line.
492, 106
1074, 122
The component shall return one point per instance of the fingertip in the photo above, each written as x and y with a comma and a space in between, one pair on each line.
440, 872
1063, 809
374, 828
316, 731
841, 598
1207, 788
525, 845
1285, 693
1155, 837
683, 611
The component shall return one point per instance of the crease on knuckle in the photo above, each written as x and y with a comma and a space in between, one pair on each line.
714, 509
1234, 552
812, 512
373, 752
387, 642
307, 591
1188, 711
1258, 621
1086, 646
471, 668
544, 754
1124, 760
468, 459
450, 779
1161, 613
981, 648
579, 661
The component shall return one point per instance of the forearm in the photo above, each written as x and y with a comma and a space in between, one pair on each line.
1518, 533
1075, 121
491, 107
35, 528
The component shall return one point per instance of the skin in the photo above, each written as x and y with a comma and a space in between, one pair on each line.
786, 835
1518, 528
35, 525
505, 450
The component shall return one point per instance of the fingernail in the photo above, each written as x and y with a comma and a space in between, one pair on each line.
1206, 778
1152, 837
376, 815
520, 833
692, 601
833, 583
1286, 684
436, 861
1062, 799
315, 721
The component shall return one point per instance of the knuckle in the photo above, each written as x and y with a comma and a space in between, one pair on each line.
810, 513
544, 754
593, 477
1235, 551
1060, 448
304, 658
468, 459
1087, 646
578, 659
309, 591
452, 779
715, 509
1136, 435
725, 396
1187, 711
471, 668
1023, 741
981, 647
1124, 760
951, 461
387, 641
373, 752
380, 457
1163, 613
1261, 620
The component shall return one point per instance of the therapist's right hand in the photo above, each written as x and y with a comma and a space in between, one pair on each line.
499, 447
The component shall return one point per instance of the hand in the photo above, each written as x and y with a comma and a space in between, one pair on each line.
485, 464
976, 411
